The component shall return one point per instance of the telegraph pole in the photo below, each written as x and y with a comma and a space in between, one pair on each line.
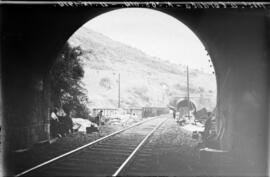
118, 90
188, 92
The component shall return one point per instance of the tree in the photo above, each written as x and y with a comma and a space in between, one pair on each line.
67, 89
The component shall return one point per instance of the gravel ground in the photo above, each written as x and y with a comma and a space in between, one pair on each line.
169, 152
44, 152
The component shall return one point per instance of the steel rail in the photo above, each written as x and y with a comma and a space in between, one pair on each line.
136, 150
80, 148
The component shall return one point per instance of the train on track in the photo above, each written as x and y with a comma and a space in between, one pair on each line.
143, 112
154, 111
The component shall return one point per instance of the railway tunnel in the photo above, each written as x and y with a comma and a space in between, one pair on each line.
237, 41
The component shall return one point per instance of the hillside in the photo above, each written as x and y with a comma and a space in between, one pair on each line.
144, 80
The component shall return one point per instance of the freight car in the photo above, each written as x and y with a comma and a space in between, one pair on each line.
154, 111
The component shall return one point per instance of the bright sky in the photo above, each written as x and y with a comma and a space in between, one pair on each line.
155, 33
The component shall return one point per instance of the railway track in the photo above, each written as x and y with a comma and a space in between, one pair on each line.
107, 156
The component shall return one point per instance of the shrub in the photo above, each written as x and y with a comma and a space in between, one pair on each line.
65, 80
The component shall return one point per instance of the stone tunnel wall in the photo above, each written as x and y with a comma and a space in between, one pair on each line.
33, 125
235, 40
239, 49
237, 43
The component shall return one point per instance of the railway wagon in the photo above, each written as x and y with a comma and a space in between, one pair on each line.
154, 111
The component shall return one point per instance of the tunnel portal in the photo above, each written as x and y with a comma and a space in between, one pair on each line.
237, 41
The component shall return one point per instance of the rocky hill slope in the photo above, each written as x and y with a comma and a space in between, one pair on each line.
144, 80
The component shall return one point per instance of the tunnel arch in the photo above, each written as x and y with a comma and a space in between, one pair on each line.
182, 19
197, 22
235, 40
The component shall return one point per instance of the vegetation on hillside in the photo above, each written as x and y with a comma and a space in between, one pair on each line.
67, 90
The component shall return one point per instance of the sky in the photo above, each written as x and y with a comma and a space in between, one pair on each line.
155, 33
